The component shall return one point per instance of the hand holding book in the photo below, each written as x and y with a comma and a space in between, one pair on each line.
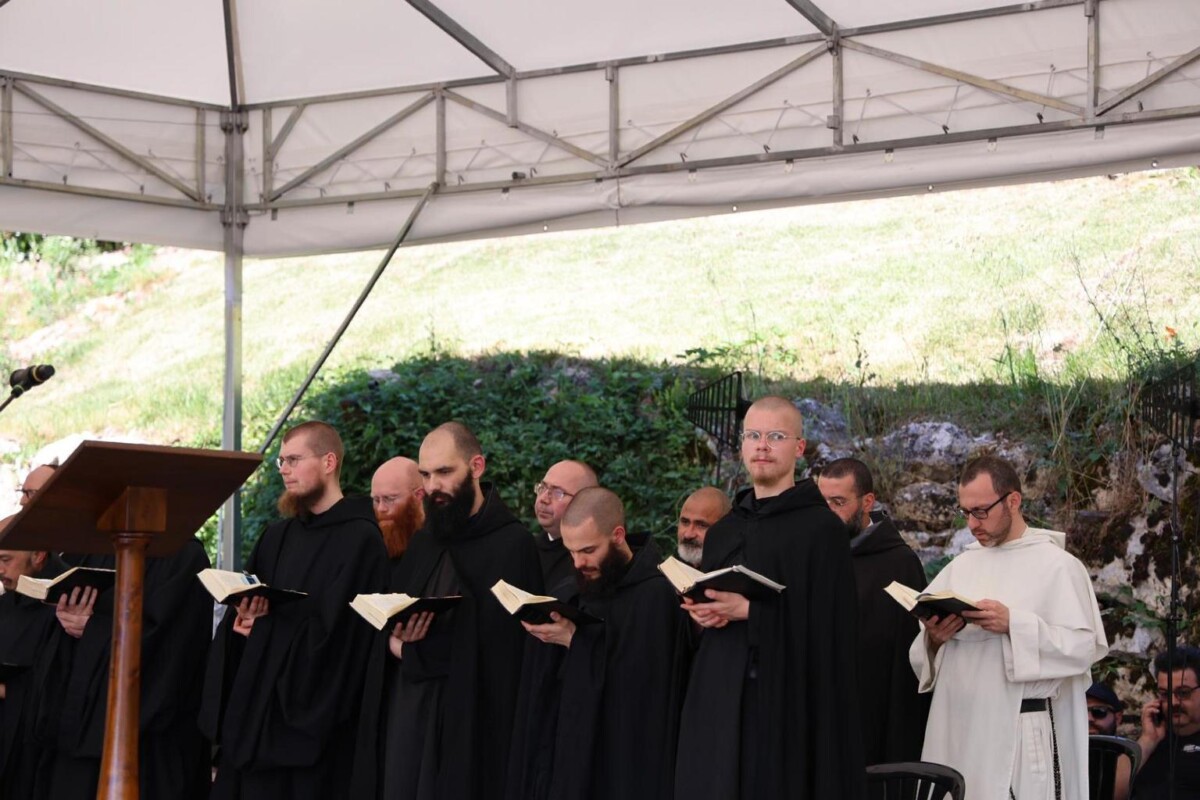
559, 630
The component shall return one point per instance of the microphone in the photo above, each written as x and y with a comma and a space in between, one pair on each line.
23, 380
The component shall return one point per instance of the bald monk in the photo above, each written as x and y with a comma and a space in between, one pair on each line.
771, 710
700, 512
554, 493
623, 678
450, 680
396, 495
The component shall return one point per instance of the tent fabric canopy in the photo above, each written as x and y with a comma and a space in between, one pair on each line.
285, 127
532, 115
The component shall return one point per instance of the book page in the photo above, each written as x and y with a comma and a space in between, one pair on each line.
513, 598
902, 594
682, 576
221, 582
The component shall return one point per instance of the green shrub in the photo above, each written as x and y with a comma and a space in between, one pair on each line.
623, 417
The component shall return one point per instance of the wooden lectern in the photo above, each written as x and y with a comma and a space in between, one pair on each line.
138, 500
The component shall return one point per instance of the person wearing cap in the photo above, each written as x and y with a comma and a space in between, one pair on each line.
1104, 716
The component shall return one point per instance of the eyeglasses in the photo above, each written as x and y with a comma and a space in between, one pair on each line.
1182, 693
1099, 712
557, 493
772, 438
27, 494
982, 513
388, 500
291, 461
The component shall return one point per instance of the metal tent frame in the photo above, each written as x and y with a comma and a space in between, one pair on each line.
397, 150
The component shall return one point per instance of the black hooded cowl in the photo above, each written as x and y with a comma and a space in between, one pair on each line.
478, 658
282, 703
771, 711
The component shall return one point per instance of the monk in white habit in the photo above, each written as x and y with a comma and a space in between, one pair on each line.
1009, 680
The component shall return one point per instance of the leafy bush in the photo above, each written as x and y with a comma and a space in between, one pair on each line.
623, 417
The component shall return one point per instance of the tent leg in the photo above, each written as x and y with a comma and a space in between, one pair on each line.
234, 218
362, 298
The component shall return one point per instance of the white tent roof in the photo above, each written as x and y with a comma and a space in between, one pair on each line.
545, 114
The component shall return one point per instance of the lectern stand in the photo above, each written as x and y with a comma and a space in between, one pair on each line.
139, 500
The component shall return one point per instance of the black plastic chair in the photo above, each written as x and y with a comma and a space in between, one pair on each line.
1103, 754
915, 780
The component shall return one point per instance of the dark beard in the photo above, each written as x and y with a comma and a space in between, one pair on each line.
612, 571
399, 526
855, 526
297, 505
448, 520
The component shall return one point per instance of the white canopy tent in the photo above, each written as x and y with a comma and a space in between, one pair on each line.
283, 127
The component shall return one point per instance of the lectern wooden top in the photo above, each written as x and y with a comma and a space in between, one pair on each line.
64, 514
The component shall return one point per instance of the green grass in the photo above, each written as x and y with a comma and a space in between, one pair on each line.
945, 292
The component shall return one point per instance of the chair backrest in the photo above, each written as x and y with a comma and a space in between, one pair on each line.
915, 780
1103, 754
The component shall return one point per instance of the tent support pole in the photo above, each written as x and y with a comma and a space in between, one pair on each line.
362, 298
6, 128
234, 219
1091, 10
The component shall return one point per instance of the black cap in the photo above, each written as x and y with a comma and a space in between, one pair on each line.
1098, 691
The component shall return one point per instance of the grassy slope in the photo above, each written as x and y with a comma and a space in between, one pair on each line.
933, 288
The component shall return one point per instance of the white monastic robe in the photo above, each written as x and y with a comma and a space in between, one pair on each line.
978, 679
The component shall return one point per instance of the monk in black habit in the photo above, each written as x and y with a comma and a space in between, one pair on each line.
622, 680
284, 684
532, 744
440, 694
771, 711
70, 700
893, 712
26, 628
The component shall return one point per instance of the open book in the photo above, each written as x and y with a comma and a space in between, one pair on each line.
926, 605
382, 610
48, 590
535, 608
691, 582
230, 588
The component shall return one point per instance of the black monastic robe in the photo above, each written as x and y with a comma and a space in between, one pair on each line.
622, 690
531, 751
176, 629
26, 628
435, 725
893, 712
771, 711
282, 702
558, 571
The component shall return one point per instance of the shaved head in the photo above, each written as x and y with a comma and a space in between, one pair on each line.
568, 476
396, 494
599, 505
772, 443
700, 512
465, 441
399, 472
711, 495
780, 405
